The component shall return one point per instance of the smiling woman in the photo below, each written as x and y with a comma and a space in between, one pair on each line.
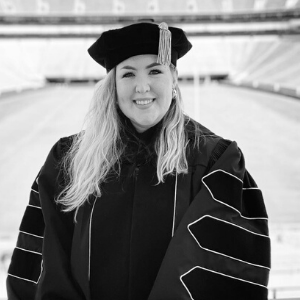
145, 203
144, 90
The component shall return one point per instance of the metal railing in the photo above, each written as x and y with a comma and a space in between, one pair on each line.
274, 292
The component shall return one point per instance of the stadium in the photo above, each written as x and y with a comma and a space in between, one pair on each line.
241, 80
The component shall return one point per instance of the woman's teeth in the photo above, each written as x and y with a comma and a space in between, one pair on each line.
143, 102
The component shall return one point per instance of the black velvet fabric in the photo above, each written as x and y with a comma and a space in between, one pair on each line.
228, 189
31, 267
115, 46
236, 194
200, 283
32, 217
30, 242
132, 224
230, 240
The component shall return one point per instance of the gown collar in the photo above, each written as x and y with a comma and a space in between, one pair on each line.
147, 137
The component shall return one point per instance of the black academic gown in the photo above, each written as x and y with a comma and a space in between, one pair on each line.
131, 224
201, 235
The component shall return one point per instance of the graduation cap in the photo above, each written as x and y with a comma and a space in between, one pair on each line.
117, 45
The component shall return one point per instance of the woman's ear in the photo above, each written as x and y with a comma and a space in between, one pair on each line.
175, 77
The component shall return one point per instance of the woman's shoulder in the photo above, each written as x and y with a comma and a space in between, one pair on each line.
196, 132
205, 146
62, 146
52, 168
59, 150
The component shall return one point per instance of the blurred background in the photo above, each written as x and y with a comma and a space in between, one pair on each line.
241, 79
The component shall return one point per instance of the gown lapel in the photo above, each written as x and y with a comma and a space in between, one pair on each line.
80, 257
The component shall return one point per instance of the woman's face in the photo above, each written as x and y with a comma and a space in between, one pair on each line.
144, 90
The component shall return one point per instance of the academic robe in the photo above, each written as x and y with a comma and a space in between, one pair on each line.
218, 247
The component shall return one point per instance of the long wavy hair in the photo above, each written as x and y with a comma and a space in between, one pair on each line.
97, 150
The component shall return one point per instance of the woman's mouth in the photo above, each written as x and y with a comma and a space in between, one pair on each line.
143, 101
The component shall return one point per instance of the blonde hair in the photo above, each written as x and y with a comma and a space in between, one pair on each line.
97, 150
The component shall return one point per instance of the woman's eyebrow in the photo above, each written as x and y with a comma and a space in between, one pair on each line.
128, 68
153, 65
147, 67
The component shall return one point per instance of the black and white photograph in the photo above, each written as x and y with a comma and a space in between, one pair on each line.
149, 149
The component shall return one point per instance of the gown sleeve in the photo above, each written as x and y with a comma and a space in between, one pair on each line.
26, 264
40, 266
221, 249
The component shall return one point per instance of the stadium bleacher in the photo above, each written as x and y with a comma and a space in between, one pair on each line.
273, 63
250, 62
136, 6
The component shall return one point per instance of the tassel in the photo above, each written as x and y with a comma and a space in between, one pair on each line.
164, 48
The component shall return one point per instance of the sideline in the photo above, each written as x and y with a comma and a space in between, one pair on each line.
293, 92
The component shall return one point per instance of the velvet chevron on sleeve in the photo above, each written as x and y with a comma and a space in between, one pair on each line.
26, 264
40, 266
221, 249
56, 281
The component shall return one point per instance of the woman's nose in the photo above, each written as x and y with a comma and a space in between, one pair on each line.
142, 86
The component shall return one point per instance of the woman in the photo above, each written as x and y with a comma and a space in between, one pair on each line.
145, 203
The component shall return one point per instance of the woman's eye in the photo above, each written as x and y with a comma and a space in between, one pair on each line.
128, 74
155, 71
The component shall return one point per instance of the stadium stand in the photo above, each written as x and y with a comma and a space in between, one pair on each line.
272, 65
253, 61
136, 6
275, 4
98, 7
19, 66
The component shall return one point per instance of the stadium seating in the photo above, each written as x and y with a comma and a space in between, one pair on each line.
252, 60
145, 6
19, 66
273, 63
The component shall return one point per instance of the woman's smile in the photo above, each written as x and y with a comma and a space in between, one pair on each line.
144, 102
